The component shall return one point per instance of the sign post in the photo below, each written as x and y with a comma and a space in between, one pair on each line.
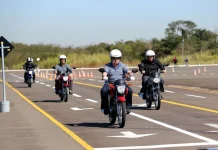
6, 47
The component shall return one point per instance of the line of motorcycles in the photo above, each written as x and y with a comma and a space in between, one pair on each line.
117, 93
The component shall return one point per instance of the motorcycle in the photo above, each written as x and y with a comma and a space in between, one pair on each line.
64, 81
117, 100
29, 77
153, 88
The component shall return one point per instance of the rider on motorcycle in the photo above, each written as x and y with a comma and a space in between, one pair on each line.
150, 64
60, 68
114, 70
29, 66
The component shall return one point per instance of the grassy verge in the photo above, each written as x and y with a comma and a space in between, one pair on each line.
99, 59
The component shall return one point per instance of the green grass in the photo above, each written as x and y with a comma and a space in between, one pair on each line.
197, 58
98, 60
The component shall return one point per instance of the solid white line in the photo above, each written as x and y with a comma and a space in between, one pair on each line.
92, 100
157, 146
173, 128
195, 96
169, 91
48, 85
77, 95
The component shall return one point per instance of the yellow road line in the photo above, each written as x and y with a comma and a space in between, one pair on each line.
165, 101
189, 88
68, 131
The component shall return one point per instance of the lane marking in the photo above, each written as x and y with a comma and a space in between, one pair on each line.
48, 85
173, 128
129, 134
169, 91
76, 108
68, 131
94, 101
92, 79
77, 95
165, 101
190, 89
195, 96
190, 106
37, 81
53, 87
42, 83
212, 125
157, 146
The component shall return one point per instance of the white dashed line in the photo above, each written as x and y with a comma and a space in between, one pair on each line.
42, 83
53, 87
169, 91
92, 100
195, 96
77, 95
48, 85
92, 79
37, 81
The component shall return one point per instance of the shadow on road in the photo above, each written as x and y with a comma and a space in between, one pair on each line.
48, 101
92, 124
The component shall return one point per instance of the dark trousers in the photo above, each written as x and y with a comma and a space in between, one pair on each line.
104, 96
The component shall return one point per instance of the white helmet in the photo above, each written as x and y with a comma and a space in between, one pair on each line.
150, 53
28, 59
115, 53
63, 57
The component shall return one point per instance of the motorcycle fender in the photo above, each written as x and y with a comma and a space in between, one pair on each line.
121, 98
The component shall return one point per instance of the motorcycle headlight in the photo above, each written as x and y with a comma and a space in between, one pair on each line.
30, 72
65, 78
121, 89
156, 80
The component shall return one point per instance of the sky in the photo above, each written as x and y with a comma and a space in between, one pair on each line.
85, 22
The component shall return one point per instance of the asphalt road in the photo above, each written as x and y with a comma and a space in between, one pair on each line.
187, 118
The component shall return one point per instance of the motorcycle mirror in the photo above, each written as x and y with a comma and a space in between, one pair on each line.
140, 65
101, 70
74, 67
53, 67
135, 70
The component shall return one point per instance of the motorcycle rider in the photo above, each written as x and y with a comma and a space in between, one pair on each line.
60, 68
115, 70
150, 64
29, 66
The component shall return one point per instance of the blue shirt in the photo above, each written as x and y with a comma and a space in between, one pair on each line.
115, 73
63, 69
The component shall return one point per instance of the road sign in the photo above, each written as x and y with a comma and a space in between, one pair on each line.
129, 134
8, 47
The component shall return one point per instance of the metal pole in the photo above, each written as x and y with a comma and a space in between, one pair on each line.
183, 49
3, 72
